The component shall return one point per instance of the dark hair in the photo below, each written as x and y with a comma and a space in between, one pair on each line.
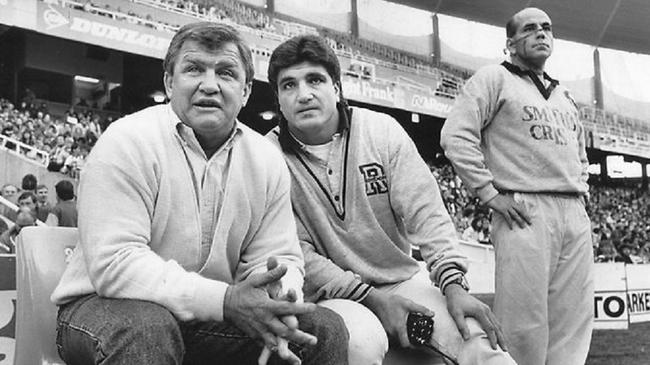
511, 27
64, 190
29, 182
211, 36
304, 48
27, 194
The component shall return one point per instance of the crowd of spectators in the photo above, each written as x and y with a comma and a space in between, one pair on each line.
61, 143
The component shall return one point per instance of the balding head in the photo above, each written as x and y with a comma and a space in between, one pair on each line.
511, 25
530, 38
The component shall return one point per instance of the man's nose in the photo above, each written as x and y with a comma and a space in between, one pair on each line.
304, 93
210, 83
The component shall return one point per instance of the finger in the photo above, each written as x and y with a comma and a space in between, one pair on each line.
506, 216
488, 328
403, 337
272, 263
287, 355
301, 338
291, 295
523, 216
264, 356
501, 337
276, 326
282, 308
514, 215
284, 352
268, 277
290, 321
414, 307
461, 324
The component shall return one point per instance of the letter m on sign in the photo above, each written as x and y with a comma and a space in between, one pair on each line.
374, 178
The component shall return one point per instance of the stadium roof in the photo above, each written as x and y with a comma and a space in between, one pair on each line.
618, 24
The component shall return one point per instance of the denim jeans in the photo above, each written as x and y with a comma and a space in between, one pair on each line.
93, 330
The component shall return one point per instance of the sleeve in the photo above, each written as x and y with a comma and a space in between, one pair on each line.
276, 234
461, 134
115, 211
325, 279
415, 198
584, 161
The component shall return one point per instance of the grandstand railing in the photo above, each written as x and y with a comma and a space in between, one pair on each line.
22, 149
88, 7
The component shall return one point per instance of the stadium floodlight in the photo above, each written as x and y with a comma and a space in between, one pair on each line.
90, 80
267, 115
158, 97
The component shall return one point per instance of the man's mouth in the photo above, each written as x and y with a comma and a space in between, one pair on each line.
207, 104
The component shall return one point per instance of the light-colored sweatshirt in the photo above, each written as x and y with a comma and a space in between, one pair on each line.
140, 227
388, 201
504, 135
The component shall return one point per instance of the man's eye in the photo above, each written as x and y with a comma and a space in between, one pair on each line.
227, 73
316, 81
287, 85
191, 68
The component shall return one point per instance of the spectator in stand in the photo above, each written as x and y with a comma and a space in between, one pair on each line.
64, 213
27, 200
9, 192
29, 183
189, 255
8, 238
43, 203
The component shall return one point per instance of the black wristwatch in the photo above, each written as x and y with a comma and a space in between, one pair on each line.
459, 280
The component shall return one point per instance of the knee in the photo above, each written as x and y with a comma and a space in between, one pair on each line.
477, 349
144, 325
368, 342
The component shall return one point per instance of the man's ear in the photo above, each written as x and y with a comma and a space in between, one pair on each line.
246, 92
510, 46
168, 81
337, 90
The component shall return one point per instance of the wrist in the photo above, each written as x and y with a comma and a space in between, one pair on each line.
456, 284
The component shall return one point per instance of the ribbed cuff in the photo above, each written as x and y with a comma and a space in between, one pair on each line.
360, 292
487, 193
447, 274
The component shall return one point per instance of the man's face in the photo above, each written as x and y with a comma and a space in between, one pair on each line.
532, 43
41, 195
208, 88
9, 192
27, 203
307, 96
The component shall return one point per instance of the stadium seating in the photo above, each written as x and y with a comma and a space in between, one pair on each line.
41, 258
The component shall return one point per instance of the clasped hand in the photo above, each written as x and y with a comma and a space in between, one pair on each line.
250, 307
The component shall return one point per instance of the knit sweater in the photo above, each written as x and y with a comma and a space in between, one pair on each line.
504, 134
389, 201
139, 221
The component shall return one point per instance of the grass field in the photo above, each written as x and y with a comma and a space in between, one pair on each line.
613, 347
621, 347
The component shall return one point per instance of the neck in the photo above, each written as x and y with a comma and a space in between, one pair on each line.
210, 144
319, 134
536, 67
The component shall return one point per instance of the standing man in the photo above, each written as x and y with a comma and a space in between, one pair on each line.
43, 208
181, 210
362, 196
515, 139
64, 213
